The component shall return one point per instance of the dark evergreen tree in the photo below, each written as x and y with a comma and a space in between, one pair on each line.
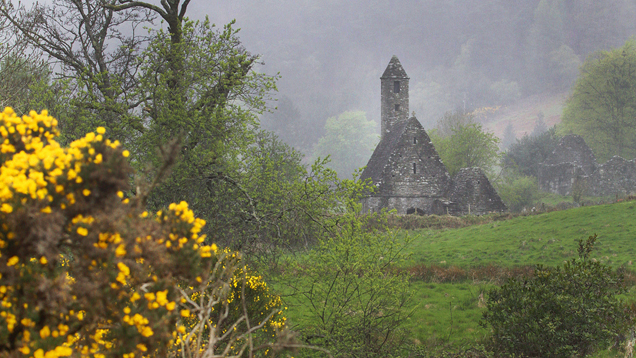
530, 151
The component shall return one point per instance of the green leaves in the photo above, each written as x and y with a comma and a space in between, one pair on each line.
565, 311
352, 294
602, 108
349, 141
461, 143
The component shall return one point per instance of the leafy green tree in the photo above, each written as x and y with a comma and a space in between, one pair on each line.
191, 83
19, 69
602, 108
277, 205
517, 191
349, 141
351, 297
563, 67
528, 152
18, 75
461, 143
564, 311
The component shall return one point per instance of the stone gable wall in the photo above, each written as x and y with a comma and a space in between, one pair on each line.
573, 149
559, 178
431, 179
616, 176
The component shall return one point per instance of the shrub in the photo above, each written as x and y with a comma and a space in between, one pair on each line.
518, 192
528, 152
566, 311
85, 271
353, 299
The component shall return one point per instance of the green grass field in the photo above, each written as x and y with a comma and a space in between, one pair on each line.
448, 314
548, 238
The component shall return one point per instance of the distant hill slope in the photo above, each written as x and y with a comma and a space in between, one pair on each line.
548, 238
523, 114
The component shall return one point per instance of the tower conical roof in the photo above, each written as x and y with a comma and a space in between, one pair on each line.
394, 69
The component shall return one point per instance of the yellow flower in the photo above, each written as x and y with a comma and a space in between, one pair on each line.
12, 261
125, 153
121, 250
82, 231
147, 332
101, 130
6, 208
123, 268
45, 332
185, 313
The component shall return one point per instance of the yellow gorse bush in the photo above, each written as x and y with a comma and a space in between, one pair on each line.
85, 271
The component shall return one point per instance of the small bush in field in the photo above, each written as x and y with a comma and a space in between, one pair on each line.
565, 311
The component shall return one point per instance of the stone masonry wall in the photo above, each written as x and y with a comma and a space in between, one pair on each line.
414, 168
616, 176
573, 160
573, 149
472, 192
394, 105
559, 178
402, 205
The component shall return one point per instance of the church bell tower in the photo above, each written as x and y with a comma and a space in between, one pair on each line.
394, 85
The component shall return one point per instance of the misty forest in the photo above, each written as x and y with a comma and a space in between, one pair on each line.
198, 179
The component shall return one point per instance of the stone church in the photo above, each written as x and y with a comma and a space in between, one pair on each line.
406, 170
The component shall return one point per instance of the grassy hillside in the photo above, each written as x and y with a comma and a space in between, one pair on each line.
449, 313
548, 238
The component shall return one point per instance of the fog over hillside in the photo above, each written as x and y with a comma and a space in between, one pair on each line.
466, 54
459, 54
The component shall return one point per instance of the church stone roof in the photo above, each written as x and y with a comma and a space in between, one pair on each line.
406, 164
382, 153
394, 69
474, 194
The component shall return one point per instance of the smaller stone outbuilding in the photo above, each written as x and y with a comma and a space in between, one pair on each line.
572, 164
472, 192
